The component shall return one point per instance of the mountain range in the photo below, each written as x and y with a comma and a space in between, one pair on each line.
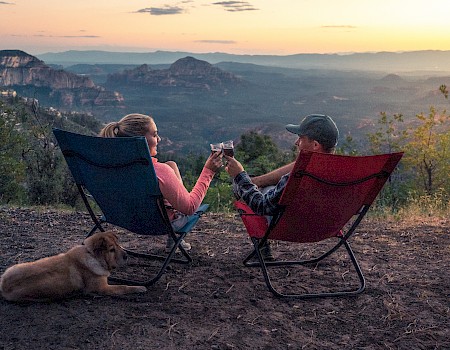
195, 102
390, 62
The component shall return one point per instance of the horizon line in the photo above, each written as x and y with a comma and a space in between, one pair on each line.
232, 54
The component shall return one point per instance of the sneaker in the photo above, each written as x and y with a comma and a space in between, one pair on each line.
170, 243
266, 252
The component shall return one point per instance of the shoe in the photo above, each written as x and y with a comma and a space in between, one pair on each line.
170, 243
266, 252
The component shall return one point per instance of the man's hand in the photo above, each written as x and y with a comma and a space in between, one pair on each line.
233, 167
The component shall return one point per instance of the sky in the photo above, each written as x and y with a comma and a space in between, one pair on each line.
277, 27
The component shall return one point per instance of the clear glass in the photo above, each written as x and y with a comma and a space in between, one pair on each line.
228, 148
215, 147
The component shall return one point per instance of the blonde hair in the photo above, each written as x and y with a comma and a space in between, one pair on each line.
134, 124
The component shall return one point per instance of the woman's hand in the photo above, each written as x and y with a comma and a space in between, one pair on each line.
214, 162
233, 167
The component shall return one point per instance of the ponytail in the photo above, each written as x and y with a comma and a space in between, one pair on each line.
131, 125
110, 130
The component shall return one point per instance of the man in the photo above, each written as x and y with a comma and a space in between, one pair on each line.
316, 132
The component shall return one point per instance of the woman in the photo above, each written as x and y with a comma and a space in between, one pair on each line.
179, 202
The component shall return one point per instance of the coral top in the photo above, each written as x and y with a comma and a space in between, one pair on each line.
174, 192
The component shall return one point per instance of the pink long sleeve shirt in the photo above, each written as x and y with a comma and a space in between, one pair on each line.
176, 194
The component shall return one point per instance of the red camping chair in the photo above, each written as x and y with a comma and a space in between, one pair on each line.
326, 196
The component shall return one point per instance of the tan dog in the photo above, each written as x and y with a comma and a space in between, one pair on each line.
84, 268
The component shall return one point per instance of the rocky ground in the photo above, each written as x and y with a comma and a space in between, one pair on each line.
217, 303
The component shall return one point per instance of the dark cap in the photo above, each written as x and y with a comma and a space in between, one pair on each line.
317, 127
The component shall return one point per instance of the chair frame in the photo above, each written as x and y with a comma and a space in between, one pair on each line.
100, 220
342, 237
185, 259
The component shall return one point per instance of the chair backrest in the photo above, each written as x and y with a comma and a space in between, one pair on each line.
325, 191
118, 173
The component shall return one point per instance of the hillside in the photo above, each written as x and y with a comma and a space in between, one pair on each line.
47, 117
195, 102
18, 68
266, 98
31, 77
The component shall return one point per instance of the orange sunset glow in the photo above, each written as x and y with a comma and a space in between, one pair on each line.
241, 27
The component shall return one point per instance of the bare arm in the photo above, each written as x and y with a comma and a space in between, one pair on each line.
272, 177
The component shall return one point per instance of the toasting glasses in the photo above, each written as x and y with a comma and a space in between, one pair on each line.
226, 147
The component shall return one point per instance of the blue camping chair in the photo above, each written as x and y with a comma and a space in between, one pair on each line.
118, 174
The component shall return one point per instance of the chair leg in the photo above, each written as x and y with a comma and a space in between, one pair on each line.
166, 261
337, 293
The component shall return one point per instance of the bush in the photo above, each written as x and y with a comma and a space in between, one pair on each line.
220, 195
12, 168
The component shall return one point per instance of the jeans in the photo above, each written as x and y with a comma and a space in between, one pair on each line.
179, 221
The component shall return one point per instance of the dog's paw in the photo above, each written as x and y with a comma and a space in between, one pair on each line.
141, 289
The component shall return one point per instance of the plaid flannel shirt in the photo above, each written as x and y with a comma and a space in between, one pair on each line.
261, 203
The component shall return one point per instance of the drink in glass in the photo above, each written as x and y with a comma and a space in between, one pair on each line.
216, 147
228, 148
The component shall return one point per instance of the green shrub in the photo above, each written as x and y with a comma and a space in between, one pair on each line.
12, 168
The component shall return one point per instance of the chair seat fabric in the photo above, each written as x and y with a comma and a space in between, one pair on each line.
118, 174
326, 196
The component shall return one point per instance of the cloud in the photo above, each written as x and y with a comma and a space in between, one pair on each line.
80, 36
225, 42
161, 11
6, 3
236, 6
232, 6
66, 36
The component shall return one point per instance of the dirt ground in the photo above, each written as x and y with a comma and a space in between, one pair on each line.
217, 303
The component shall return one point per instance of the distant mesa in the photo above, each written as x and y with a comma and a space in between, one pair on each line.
24, 72
17, 59
392, 78
20, 68
186, 72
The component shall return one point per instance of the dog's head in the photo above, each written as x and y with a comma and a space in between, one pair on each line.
106, 249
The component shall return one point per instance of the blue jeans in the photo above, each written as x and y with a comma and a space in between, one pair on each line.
179, 221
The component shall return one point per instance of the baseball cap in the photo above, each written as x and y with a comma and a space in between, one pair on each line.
317, 127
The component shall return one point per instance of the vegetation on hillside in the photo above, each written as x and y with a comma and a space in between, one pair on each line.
33, 172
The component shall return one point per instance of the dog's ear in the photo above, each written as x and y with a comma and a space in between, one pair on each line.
99, 245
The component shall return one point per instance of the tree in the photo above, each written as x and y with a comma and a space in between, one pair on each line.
46, 169
12, 169
428, 152
260, 154
348, 147
389, 137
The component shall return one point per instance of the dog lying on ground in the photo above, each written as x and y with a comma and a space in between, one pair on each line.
84, 268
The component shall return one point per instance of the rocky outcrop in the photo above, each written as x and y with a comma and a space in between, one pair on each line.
21, 70
187, 72
18, 59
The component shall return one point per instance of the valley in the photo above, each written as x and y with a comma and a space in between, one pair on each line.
195, 102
